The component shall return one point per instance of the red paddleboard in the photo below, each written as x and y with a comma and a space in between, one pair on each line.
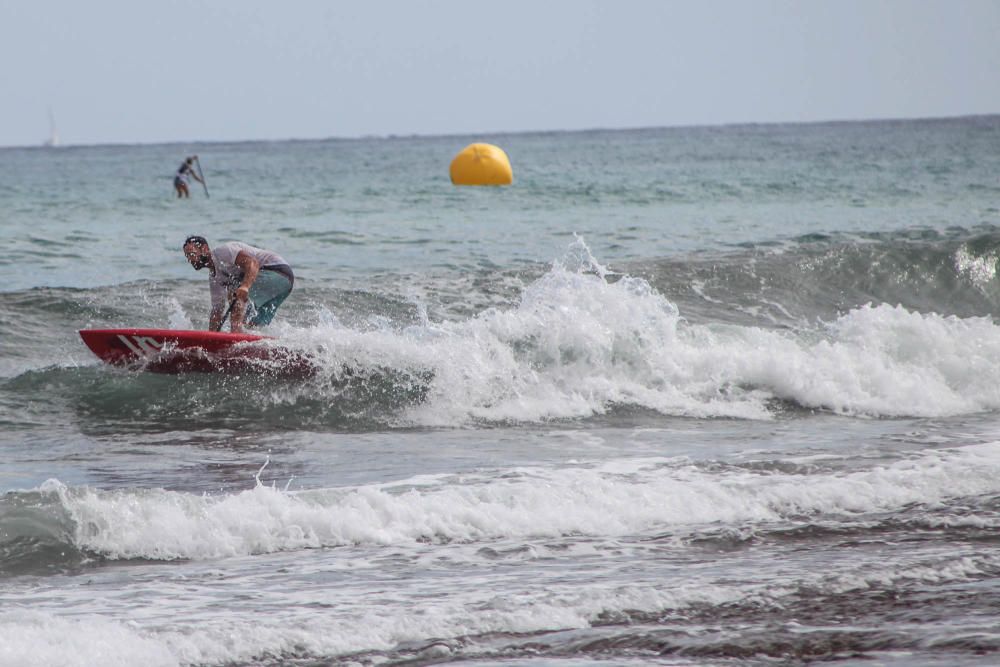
185, 351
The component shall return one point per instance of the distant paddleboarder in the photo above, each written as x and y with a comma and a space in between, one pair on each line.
185, 171
246, 283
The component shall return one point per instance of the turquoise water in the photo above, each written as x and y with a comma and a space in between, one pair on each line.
690, 396
631, 194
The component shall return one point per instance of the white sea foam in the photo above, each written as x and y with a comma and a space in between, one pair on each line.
577, 345
609, 500
38, 638
30, 637
613, 499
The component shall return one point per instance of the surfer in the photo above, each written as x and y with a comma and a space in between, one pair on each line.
252, 281
181, 177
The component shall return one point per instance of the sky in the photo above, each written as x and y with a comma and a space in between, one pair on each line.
134, 71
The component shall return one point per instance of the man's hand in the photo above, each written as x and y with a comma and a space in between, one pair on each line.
237, 312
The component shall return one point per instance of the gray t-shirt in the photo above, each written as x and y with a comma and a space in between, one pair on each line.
228, 275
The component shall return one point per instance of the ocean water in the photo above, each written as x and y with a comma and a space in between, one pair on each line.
690, 396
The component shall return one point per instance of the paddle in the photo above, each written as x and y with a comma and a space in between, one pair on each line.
203, 184
232, 303
222, 322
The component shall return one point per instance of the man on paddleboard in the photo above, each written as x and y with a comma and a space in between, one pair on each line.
247, 284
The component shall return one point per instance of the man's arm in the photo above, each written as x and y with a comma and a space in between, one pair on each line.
218, 294
250, 268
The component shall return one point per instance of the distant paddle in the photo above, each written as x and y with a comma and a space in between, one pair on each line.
202, 176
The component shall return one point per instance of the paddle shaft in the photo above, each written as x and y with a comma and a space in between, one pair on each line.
201, 174
222, 322
232, 303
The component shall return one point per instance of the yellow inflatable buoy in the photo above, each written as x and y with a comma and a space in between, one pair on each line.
481, 164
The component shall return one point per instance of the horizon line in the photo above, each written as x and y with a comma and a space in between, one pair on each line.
494, 133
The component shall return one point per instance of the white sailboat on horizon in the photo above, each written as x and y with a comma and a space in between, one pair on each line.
53, 140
